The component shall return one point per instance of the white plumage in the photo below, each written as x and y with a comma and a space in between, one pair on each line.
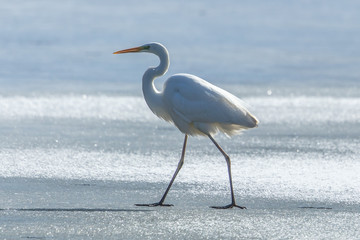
197, 107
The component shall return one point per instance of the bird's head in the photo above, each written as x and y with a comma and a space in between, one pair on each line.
150, 47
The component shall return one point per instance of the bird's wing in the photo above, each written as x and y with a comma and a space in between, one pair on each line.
195, 100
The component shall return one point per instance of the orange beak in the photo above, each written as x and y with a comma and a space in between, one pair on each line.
135, 49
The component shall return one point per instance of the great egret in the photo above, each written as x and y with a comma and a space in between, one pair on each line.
195, 106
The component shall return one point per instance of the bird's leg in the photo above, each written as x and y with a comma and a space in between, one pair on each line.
228, 162
180, 164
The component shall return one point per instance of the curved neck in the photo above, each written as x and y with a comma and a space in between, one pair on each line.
151, 94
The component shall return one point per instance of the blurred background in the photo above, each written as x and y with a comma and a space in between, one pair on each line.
67, 46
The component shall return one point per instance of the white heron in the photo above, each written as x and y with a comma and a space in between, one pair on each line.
194, 106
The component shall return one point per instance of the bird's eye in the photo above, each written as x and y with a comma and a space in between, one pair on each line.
146, 47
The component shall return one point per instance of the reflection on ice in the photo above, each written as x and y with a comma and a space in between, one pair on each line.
292, 110
101, 137
306, 176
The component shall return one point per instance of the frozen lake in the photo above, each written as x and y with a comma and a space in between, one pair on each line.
60, 209
74, 165
79, 147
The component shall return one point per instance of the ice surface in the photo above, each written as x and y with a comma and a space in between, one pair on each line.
275, 110
74, 165
48, 209
175, 224
297, 176
76, 107
293, 157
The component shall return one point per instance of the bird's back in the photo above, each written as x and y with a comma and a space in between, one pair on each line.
198, 107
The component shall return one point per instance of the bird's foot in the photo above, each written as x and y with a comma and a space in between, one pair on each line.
154, 205
231, 205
